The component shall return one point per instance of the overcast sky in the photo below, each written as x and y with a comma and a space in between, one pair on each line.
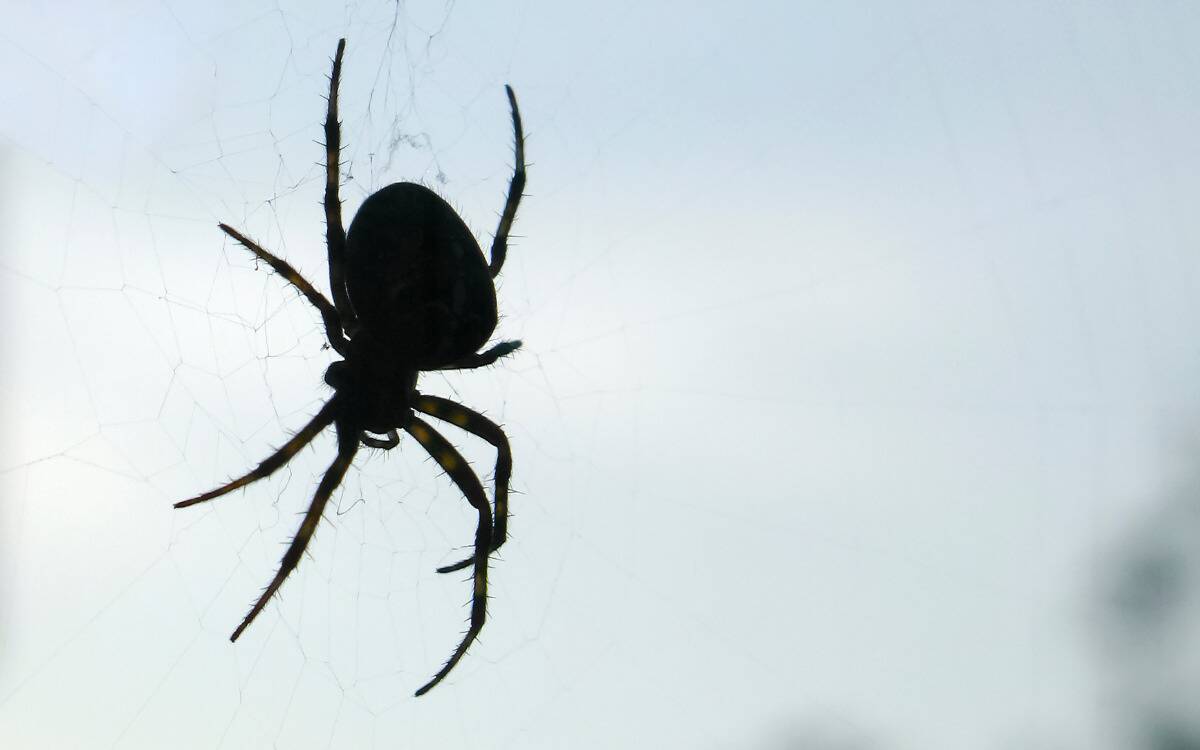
860, 371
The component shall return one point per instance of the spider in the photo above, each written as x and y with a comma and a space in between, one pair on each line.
412, 292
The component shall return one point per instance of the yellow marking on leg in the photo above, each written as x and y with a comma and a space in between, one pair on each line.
419, 432
448, 461
459, 419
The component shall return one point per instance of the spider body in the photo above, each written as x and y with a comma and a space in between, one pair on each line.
412, 291
375, 388
417, 277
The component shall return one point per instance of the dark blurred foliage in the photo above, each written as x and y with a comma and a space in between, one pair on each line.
1150, 625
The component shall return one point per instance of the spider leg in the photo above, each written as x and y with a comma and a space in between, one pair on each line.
333, 325
454, 465
347, 446
515, 188
387, 443
480, 426
483, 359
277, 459
335, 234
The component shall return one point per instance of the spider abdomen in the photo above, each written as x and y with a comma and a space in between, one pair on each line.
417, 278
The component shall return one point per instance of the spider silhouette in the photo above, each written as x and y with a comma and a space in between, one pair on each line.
412, 292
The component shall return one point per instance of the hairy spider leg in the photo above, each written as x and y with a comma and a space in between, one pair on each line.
335, 233
460, 473
482, 427
515, 189
347, 446
333, 325
483, 359
277, 459
386, 443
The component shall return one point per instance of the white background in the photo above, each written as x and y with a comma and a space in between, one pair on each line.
857, 407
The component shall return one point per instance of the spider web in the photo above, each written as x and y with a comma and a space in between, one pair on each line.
852, 338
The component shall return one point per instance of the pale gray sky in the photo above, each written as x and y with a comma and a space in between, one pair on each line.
861, 346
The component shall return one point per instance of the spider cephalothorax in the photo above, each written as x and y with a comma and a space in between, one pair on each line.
412, 291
